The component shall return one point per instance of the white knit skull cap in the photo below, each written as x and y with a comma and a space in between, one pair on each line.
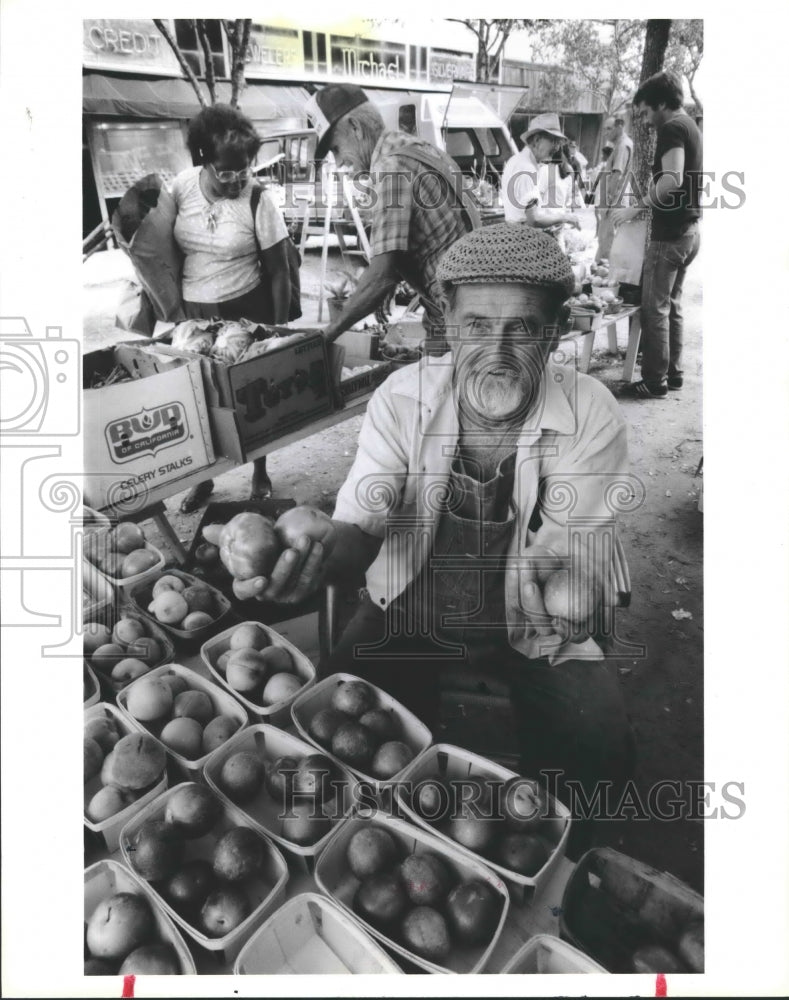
508, 252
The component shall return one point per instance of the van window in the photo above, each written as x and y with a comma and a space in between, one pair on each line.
490, 141
268, 150
458, 142
406, 119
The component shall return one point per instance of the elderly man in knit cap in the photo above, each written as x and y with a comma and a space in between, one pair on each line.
477, 474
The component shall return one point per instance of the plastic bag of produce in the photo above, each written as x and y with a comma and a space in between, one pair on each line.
627, 252
143, 224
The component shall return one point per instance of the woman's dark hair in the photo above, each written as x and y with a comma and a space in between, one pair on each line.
662, 88
221, 127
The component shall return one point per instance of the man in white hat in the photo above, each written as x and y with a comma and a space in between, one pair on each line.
520, 183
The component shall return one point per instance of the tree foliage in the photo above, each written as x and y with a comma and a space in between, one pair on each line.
602, 56
685, 52
607, 57
491, 38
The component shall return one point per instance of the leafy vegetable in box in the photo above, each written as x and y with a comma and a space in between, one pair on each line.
227, 341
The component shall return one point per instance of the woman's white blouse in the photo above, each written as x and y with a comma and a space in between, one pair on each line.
218, 240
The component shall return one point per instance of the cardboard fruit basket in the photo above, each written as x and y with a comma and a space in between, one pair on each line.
585, 320
93, 520
264, 892
277, 714
336, 880
453, 763
546, 954
412, 732
126, 583
310, 935
110, 828
106, 878
98, 595
614, 904
223, 704
141, 596
152, 630
264, 811
90, 686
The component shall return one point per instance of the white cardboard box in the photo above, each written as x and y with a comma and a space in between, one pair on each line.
148, 432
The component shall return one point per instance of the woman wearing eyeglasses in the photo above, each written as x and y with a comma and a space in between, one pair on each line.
222, 274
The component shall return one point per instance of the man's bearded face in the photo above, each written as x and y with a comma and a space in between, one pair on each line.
501, 336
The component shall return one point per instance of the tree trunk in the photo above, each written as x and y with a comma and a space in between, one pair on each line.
655, 44
482, 58
210, 79
240, 43
496, 67
185, 67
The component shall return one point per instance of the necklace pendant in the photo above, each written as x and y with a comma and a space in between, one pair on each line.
211, 218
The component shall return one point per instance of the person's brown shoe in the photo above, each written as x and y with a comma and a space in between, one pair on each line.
262, 490
197, 496
261, 484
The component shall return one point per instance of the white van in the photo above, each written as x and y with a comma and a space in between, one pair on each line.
470, 124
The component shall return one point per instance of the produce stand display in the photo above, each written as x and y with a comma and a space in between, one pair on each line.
612, 910
310, 887
521, 923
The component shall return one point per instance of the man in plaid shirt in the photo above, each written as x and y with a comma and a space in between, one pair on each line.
418, 211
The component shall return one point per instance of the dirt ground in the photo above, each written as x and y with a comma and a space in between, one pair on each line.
663, 688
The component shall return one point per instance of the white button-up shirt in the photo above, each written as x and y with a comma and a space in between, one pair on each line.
572, 451
520, 185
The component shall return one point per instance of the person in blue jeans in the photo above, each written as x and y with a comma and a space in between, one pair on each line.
674, 198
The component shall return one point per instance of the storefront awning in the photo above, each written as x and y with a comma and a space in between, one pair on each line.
132, 97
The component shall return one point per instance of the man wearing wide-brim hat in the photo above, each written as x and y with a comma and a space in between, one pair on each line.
520, 188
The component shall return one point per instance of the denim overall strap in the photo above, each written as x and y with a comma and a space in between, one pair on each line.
464, 589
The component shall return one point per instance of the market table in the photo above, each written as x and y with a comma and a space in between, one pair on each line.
540, 916
630, 315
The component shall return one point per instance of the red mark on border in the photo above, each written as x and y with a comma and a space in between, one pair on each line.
128, 987
660, 985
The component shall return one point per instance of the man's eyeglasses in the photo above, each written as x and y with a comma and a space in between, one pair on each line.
229, 176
